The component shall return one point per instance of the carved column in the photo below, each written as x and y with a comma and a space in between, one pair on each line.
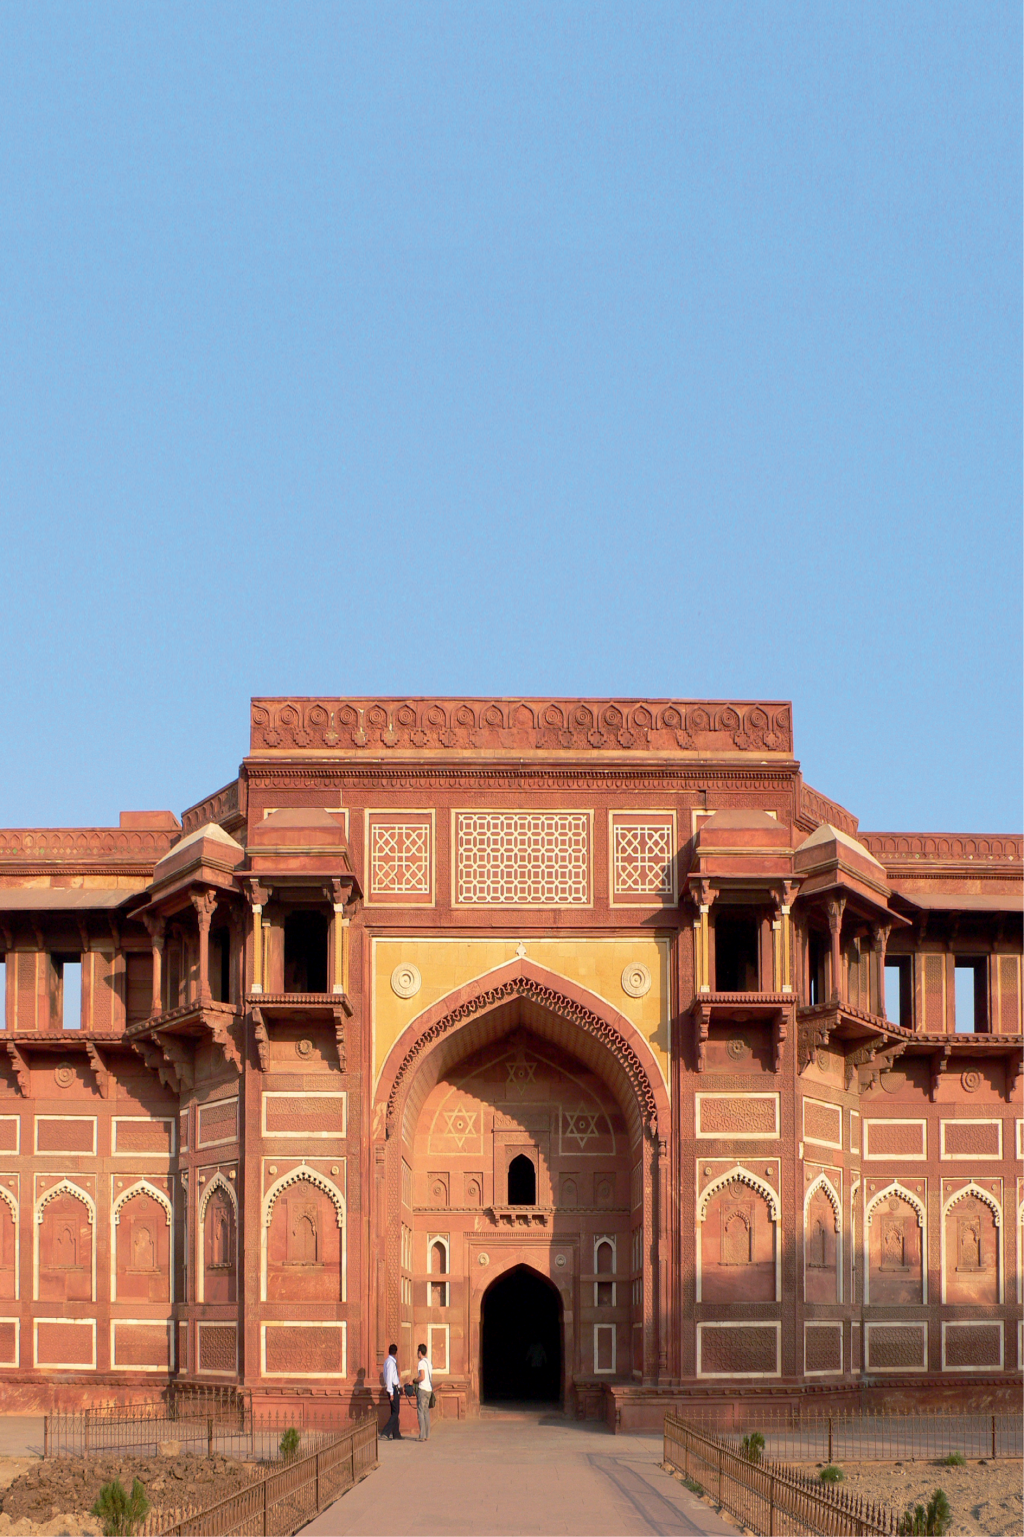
782, 933
257, 897
835, 927
157, 928
702, 895
339, 936
204, 903
880, 934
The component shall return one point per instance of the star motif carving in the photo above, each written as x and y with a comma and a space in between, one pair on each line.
580, 1124
461, 1124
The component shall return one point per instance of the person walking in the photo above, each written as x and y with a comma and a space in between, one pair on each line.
424, 1393
393, 1388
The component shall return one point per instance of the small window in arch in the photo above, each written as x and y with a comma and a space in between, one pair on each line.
604, 1262
522, 1182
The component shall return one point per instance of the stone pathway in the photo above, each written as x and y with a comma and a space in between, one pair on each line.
526, 1475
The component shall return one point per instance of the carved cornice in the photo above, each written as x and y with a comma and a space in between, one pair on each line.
145, 846
955, 848
226, 805
669, 777
517, 725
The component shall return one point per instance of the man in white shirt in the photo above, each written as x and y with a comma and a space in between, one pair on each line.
424, 1393
393, 1388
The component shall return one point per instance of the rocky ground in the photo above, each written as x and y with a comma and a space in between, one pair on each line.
51, 1498
985, 1497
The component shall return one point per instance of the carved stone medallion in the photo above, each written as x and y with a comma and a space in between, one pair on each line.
406, 980
636, 980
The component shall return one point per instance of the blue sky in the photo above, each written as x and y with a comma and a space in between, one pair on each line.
576, 349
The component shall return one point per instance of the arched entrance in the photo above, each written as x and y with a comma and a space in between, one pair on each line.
517, 1124
521, 1339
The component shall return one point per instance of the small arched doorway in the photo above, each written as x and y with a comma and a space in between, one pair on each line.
521, 1339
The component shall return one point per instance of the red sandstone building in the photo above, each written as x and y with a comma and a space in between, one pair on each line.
581, 1040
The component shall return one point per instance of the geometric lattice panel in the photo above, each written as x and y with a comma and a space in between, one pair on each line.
523, 858
643, 858
401, 860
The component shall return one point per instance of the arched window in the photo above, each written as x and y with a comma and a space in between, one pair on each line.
604, 1264
522, 1182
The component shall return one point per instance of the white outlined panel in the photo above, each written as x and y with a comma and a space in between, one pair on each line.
323, 1108
760, 1325
316, 1333
83, 1134
823, 1123
730, 1116
438, 1342
854, 1131
47, 1326
605, 1349
127, 1130
826, 1326
908, 1142
10, 1341
988, 1136
881, 1340
964, 1332
10, 1133
203, 1329
643, 849
400, 857
212, 1116
504, 858
154, 1326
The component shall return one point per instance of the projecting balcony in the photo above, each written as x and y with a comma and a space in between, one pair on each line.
774, 1011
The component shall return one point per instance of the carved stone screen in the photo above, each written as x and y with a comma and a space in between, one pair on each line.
523, 858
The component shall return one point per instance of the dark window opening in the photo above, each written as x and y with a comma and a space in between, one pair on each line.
736, 961
521, 1339
305, 952
69, 990
899, 994
817, 957
522, 1182
971, 996
138, 987
220, 965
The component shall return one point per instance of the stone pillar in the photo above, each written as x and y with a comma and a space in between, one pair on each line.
204, 903
835, 925
702, 895
257, 896
783, 935
157, 929
880, 935
339, 937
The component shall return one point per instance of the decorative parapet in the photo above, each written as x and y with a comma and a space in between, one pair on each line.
954, 848
63, 844
225, 807
815, 808
520, 725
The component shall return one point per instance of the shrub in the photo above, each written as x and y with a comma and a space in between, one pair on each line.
933, 1522
289, 1443
121, 1513
831, 1474
752, 1446
693, 1486
954, 1460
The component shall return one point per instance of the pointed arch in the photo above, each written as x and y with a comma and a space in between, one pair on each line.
11, 1201
63, 1186
142, 1187
829, 1191
895, 1188
987, 1199
218, 1182
737, 1174
303, 1173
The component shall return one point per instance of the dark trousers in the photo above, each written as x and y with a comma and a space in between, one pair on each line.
391, 1428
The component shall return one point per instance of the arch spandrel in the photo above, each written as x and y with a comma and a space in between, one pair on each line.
522, 992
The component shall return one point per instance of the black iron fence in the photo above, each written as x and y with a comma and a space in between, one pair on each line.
768, 1497
873, 1436
281, 1501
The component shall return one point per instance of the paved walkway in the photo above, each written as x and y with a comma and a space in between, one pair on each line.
527, 1476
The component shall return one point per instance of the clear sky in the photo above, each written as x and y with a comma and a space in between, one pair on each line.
612, 349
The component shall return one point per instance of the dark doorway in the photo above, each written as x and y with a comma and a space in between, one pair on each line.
305, 952
736, 968
522, 1182
521, 1339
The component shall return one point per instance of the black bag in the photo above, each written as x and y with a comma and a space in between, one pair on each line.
410, 1391
432, 1400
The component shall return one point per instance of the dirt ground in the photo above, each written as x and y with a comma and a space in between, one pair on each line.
56, 1496
985, 1497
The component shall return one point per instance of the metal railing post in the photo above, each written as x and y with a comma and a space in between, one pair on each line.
993, 1435
209, 1435
266, 1526
830, 1438
46, 1435
87, 1412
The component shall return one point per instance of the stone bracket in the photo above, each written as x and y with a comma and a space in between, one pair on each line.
340, 1012
220, 1033
156, 1062
259, 1030
21, 1068
875, 1060
100, 1070
939, 1061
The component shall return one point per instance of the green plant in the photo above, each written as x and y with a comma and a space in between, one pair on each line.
693, 1486
933, 1522
289, 1443
831, 1474
954, 1460
122, 1514
752, 1446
